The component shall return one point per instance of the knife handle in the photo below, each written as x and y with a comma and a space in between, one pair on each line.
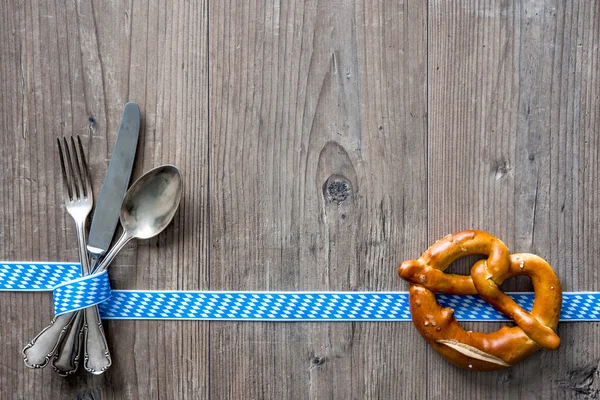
38, 352
97, 356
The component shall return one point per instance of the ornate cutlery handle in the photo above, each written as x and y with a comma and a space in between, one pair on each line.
87, 331
97, 357
66, 360
38, 352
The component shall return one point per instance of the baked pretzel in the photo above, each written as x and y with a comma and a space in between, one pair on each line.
477, 350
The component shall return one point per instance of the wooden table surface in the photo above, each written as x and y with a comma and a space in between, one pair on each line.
437, 117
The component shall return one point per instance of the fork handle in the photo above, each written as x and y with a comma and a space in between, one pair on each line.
38, 352
66, 361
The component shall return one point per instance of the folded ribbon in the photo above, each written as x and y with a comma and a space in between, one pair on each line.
72, 292
81, 293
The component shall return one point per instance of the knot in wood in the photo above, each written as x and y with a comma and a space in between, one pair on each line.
477, 350
336, 189
316, 360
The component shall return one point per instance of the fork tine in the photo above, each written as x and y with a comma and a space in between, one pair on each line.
71, 151
69, 169
67, 191
79, 168
84, 168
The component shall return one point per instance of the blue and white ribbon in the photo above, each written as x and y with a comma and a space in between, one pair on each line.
81, 293
35, 276
76, 292
70, 290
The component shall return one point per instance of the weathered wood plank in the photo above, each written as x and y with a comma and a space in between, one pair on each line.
301, 94
514, 106
67, 69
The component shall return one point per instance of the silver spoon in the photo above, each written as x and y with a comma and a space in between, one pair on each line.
148, 207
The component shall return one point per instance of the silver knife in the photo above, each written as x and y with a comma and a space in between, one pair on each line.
97, 357
106, 214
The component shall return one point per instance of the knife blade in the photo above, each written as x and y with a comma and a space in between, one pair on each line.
116, 181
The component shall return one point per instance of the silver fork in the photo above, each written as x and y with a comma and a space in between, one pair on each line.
79, 202
97, 357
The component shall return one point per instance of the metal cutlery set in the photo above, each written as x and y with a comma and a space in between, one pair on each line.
144, 211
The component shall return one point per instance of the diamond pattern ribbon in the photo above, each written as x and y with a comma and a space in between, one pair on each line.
81, 293
255, 306
35, 276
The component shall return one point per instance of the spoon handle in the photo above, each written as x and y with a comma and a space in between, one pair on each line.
112, 253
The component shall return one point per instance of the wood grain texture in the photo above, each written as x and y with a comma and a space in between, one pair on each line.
321, 144
304, 94
68, 68
514, 92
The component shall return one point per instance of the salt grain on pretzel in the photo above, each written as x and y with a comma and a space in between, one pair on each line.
477, 350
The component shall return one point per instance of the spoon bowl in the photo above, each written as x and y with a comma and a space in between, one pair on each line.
151, 202
148, 208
